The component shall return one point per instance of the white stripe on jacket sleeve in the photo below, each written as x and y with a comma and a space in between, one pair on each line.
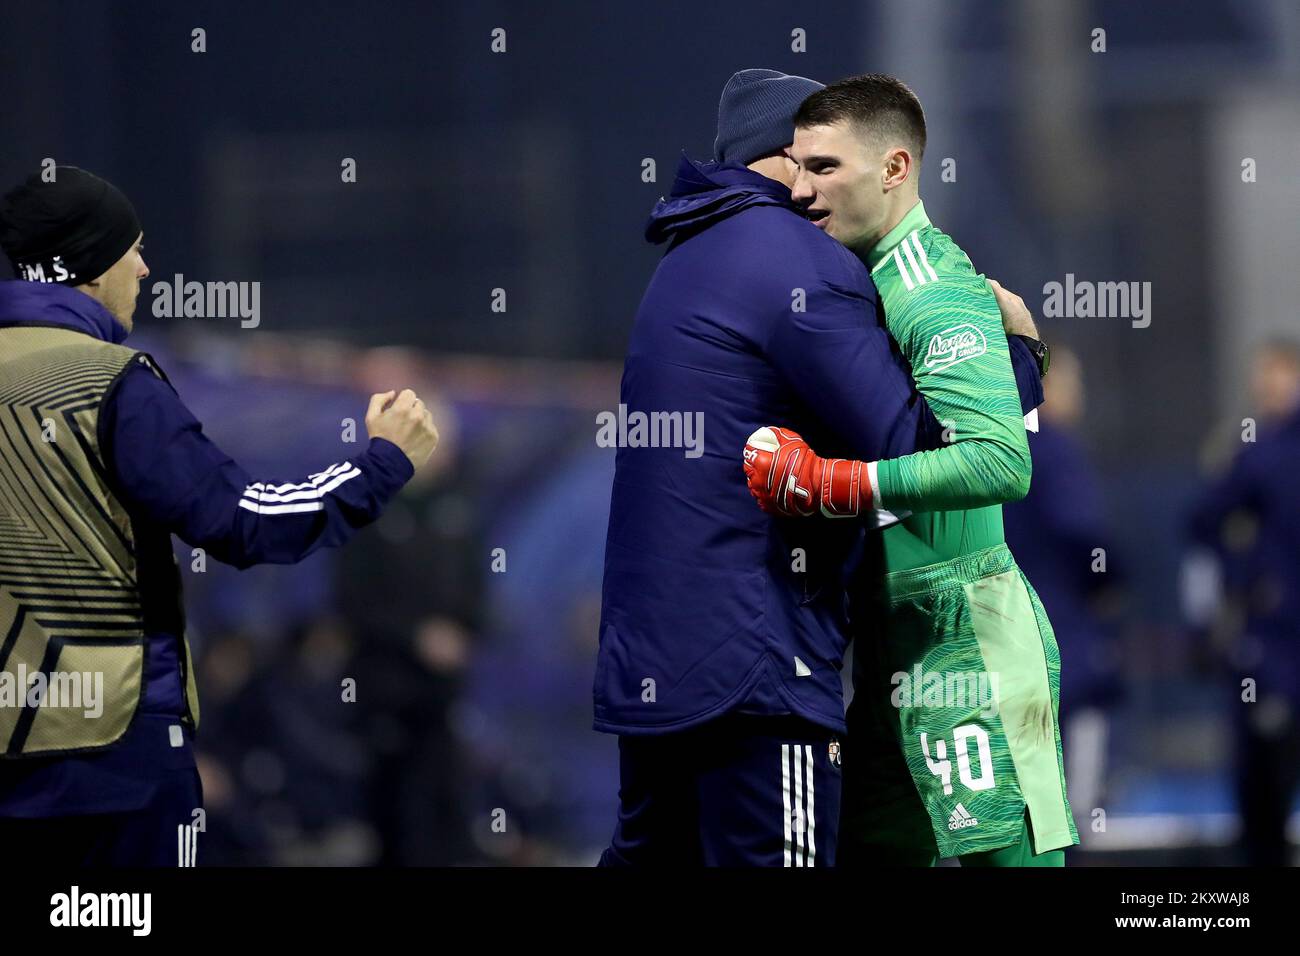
296, 499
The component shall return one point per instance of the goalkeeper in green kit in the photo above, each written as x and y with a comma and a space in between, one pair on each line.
953, 748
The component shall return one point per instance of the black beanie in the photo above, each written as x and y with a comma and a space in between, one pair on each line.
69, 230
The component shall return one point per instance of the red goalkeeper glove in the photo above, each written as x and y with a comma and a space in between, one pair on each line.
787, 477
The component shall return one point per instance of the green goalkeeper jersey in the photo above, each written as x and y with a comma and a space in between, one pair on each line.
946, 320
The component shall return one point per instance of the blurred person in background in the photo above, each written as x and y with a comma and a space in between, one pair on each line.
286, 769
237, 833
412, 592
1249, 520
103, 462
299, 749
1055, 532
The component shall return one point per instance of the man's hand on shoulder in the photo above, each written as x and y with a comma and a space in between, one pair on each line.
1016, 317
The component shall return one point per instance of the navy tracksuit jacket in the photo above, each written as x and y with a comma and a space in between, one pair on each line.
165, 470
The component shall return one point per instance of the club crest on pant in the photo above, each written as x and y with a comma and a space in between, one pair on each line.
834, 752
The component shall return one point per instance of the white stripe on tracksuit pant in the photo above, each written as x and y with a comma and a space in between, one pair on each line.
800, 813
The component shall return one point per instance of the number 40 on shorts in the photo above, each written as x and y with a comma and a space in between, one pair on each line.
941, 766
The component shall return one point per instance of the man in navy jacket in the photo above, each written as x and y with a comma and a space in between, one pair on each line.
1248, 519
101, 463
723, 630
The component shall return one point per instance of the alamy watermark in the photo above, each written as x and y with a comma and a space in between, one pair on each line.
967, 689
179, 299
75, 690
624, 429
1083, 299
131, 911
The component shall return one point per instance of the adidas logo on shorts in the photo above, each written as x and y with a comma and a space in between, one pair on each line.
961, 819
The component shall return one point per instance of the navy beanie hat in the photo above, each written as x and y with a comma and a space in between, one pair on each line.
756, 113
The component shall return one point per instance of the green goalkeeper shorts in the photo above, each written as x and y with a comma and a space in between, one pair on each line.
953, 739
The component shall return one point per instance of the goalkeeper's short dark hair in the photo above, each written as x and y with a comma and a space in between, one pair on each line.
874, 102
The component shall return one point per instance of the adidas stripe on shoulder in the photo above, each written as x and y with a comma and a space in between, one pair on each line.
912, 263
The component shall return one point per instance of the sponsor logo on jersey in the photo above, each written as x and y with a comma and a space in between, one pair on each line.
957, 344
961, 818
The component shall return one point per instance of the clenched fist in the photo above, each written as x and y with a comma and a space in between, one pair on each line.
787, 477
401, 418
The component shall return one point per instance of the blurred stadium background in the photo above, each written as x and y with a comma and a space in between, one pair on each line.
523, 171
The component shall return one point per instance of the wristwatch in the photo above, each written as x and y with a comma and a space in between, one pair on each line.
1041, 354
